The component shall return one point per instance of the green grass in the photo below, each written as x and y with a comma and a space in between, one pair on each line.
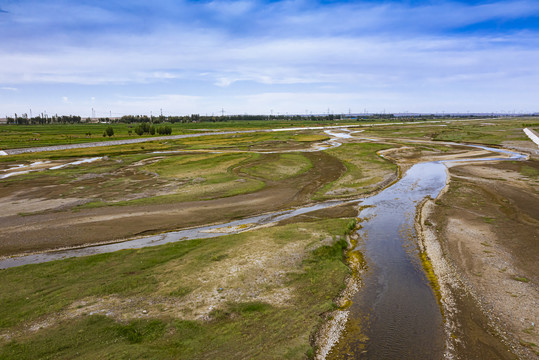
115, 150
529, 171
284, 166
236, 329
194, 166
22, 136
488, 131
364, 170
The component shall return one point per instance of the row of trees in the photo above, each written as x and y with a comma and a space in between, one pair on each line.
146, 128
195, 118
24, 119
141, 129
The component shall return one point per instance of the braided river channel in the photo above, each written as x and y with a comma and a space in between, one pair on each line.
395, 314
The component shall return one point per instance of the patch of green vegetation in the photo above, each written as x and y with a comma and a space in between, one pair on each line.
236, 329
181, 291
488, 132
284, 166
530, 330
529, 171
23, 136
431, 277
364, 170
193, 166
528, 344
115, 150
203, 176
94, 334
521, 279
488, 220
218, 186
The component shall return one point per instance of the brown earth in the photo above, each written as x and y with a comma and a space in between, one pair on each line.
486, 223
58, 227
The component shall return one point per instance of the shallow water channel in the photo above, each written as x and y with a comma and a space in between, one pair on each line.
395, 315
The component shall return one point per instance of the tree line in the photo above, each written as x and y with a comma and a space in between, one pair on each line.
24, 119
43, 119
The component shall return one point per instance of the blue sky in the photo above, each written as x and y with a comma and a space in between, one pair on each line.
295, 56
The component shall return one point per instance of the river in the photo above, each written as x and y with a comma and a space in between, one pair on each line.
395, 315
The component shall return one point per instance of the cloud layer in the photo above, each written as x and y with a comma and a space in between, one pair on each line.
254, 56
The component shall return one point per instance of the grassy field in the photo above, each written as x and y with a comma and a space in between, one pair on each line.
279, 167
365, 169
488, 132
237, 296
22, 136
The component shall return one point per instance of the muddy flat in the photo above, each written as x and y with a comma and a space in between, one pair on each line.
64, 228
487, 224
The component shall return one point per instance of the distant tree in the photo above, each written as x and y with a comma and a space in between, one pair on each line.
164, 130
109, 131
139, 130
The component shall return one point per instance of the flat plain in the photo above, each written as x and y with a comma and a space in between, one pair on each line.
265, 292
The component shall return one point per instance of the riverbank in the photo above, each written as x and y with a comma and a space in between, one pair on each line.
481, 236
257, 294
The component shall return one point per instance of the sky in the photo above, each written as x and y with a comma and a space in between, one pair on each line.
179, 57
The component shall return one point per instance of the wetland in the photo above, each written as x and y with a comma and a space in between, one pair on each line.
249, 227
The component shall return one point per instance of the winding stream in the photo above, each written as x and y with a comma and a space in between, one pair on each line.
395, 315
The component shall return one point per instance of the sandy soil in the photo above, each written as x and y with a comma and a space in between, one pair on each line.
61, 227
481, 236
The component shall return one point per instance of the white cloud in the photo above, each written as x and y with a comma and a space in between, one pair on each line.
344, 52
